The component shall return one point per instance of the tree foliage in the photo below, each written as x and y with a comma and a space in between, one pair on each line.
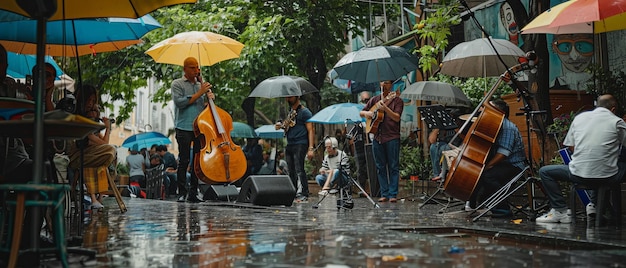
434, 31
296, 37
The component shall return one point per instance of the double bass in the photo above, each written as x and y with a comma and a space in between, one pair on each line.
468, 166
219, 160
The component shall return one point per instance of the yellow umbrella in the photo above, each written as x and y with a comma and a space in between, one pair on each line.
82, 9
207, 47
558, 20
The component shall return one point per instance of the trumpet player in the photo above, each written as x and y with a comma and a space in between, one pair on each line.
300, 136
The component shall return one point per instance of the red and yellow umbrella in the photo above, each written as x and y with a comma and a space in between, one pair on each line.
580, 16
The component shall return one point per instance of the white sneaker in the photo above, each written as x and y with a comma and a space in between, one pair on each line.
96, 205
591, 210
553, 216
468, 208
333, 191
323, 192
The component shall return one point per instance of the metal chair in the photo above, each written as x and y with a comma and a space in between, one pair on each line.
502, 194
31, 195
604, 188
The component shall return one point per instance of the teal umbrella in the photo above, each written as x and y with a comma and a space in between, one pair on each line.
242, 130
339, 113
269, 132
21, 65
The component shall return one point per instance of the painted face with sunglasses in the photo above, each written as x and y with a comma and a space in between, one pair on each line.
574, 50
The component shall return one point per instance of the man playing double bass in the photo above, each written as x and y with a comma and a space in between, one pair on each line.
507, 160
189, 94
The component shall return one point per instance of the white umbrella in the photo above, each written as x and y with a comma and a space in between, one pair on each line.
440, 92
477, 58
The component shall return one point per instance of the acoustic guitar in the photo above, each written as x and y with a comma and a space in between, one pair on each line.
371, 124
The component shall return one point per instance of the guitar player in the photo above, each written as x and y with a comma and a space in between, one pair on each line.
382, 113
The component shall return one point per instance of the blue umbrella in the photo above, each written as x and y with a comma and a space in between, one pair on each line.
338, 114
269, 132
21, 65
64, 37
146, 139
242, 130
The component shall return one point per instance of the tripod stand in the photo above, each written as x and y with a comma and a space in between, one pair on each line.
345, 181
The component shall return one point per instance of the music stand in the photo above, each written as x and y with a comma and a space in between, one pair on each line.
436, 117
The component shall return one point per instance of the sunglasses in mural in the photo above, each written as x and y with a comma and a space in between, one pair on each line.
583, 46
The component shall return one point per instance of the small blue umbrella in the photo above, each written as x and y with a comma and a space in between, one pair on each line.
146, 139
242, 130
21, 65
338, 114
269, 132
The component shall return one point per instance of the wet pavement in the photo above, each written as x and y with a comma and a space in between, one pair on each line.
156, 233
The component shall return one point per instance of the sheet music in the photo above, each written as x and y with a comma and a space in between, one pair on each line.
435, 116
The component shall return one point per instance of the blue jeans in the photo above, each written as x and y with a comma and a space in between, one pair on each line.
550, 177
435, 155
387, 157
321, 178
294, 155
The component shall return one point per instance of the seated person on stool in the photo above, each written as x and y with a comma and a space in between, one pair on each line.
97, 152
16, 166
171, 165
334, 160
508, 159
594, 137
155, 161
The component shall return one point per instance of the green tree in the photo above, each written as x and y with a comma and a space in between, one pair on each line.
300, 38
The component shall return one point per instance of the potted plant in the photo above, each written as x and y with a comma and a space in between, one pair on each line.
412, 162
122, 174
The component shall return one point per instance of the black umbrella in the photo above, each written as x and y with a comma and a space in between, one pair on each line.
283, 86
375, 64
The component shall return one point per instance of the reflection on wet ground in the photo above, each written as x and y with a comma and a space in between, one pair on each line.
219, 234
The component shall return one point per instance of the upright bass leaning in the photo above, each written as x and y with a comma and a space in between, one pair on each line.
492, 150
219, 160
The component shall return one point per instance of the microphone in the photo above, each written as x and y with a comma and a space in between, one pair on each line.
532, 60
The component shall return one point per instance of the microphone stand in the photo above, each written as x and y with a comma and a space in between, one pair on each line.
322, 141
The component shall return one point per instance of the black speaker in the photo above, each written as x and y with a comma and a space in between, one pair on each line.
267, 190
226, 192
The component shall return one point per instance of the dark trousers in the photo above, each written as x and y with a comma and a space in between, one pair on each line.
294, 155
184, 139
491, 181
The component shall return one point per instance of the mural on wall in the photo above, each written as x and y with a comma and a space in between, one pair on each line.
507, 18
570, 54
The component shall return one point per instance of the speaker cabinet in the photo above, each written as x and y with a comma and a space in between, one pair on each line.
219, 192
267, 190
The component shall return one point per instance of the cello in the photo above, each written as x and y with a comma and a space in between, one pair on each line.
219, 160
468, 166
